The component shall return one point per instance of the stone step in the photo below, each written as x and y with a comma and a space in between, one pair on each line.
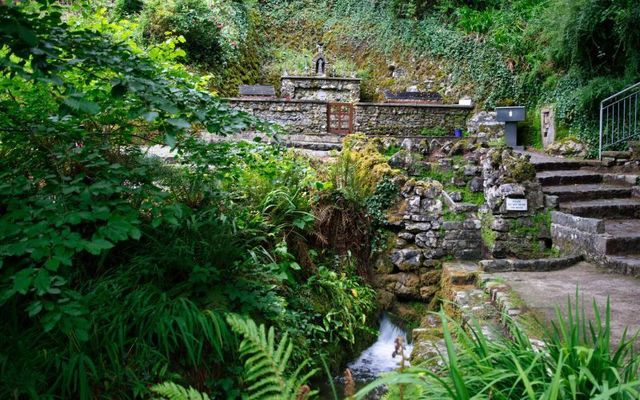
603, 208
622, 236
628, 264
617, 154
562, 165
568, 177
587, 192
323, 146
544, 162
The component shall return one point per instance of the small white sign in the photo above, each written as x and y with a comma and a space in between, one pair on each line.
516, 204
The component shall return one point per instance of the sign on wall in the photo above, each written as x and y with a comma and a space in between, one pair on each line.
516, 204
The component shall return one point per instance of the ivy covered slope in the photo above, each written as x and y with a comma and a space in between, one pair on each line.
118, 271
566, 53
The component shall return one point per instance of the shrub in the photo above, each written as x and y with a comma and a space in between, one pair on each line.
358, 168
212, 35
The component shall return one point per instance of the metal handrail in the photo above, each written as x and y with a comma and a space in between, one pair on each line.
619, 117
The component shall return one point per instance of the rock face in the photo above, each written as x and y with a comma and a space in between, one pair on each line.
568, 147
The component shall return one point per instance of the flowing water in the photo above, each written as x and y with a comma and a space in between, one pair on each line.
378, 358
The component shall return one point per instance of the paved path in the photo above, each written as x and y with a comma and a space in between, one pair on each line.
543, 291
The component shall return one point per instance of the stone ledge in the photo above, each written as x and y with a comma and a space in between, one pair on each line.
543, 264
513, 311
415, 105
629, 179
589, 225
458, 207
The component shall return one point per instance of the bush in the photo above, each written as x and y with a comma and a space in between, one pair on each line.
125, 8
199, 23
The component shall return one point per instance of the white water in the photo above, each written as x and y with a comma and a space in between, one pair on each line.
378, 358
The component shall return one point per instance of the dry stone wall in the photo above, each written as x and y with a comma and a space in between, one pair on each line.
306, 117
410, 271
310, 116
408, 119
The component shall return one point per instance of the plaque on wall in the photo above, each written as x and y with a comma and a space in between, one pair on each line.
516, 204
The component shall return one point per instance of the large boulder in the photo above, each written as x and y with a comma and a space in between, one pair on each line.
568, 147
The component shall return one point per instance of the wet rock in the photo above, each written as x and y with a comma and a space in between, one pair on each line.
406, 286
385, 299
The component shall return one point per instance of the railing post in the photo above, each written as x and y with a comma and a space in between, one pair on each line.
601, 126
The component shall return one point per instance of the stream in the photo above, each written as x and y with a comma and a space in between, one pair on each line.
375, 360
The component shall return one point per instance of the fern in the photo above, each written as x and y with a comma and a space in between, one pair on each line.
266, 363
173, 391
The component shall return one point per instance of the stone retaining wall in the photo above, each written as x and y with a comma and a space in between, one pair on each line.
310, 116
410, 272
409, 119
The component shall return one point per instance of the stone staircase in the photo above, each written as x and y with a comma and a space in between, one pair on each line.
599, 213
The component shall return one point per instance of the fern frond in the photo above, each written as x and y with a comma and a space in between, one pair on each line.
173, 391
265, 362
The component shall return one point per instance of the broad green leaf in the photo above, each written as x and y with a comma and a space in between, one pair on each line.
150, 116
179, 123
42, 281
96, 246
22, 280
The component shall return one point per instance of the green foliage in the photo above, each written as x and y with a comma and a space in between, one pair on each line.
172, 391
577, 361
600, 37
487, 234
213, 30
358, 168
124, 8
115, 268
436, 131
266, 363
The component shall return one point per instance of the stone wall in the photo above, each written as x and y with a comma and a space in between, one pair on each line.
306, 117
320, 88
408, 119
310, 116
410, 271
509, 233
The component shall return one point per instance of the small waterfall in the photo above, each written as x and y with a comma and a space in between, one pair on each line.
378, 358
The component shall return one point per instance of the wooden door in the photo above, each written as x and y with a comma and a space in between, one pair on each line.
340, 118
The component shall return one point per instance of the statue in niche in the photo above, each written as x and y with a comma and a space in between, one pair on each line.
320, 66
320, 62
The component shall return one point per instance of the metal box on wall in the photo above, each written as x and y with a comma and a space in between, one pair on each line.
511, 114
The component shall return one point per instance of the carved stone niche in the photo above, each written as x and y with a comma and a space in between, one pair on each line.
320, 64
547, 126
